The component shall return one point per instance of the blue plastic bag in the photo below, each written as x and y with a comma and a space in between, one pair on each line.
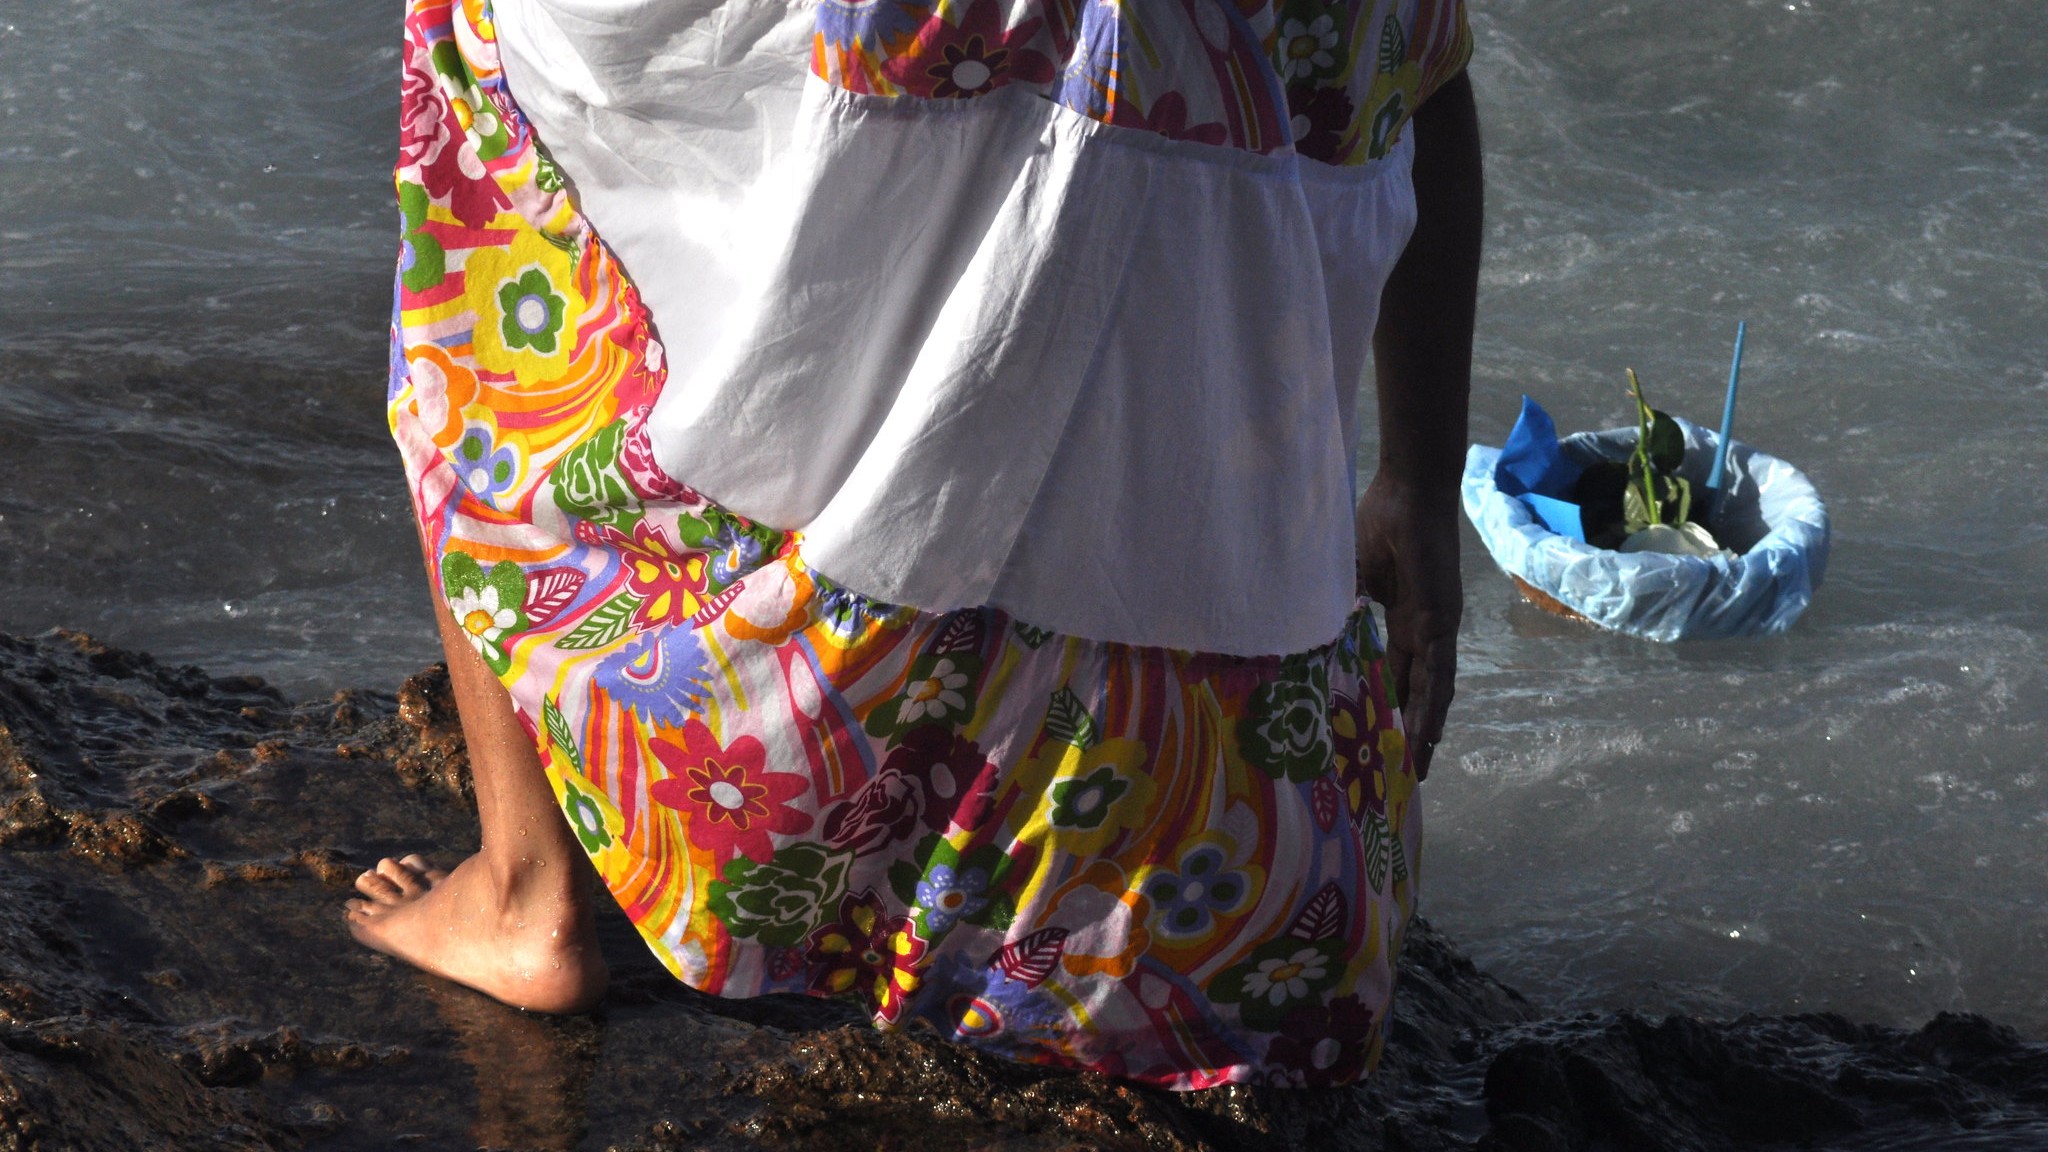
1770, 515
1535, 469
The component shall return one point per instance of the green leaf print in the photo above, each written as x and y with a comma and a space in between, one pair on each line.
1397, 854
780, 902
1033, 638
1376, 852
448, 61
903, 878
546, 176
997, 915
589, 484
1067, 720
461, 573
933, 849
485, 128
426, 263
558, 731
605, 624
1286, 733
510, 581
706, 528
1393, 45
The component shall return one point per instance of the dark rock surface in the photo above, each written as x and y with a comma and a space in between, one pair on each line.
174, 973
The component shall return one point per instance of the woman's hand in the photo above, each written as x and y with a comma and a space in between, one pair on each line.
1408, 562
1422, 356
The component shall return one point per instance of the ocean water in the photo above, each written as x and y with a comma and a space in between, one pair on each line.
196, 237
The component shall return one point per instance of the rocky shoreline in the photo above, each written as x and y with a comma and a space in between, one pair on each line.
174, 973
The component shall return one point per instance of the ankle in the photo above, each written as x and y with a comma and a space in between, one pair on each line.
521, 882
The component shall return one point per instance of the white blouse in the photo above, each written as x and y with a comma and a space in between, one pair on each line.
988, 351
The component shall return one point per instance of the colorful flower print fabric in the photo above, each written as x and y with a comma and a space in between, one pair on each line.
1179, 868
1336, 81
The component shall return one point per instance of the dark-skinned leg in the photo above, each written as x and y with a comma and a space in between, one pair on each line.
516, 920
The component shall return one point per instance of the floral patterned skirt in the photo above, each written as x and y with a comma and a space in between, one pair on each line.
1181, 868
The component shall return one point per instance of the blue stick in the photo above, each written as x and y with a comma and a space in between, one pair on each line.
1727, 426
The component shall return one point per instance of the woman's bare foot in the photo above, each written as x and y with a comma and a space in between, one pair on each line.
527, 937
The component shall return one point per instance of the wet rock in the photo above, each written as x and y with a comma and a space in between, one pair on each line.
422, 741
224, 1053
853, 1086
1617, 1080
92, 1085
174, 973
1678, 1085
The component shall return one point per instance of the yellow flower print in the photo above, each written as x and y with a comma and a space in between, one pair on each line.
526, 306
478, 14
1400, 778
1087, 798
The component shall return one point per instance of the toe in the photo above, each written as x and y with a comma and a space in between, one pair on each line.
379, 887
421, 867
402, 876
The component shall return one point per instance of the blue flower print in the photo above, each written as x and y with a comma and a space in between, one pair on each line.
945, 896
660, 673
1185, 904
733, 554
981, 1004
484, 468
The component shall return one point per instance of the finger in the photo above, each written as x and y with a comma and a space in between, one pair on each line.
1399, 661
1378, 579
1440, 677
1423, 718
1419, 756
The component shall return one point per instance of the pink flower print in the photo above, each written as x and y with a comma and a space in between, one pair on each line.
1325, 1044
669, 580
933, 777
1319, 118
869, 953
973, 58
733, 801
636, 460
424, 122
1168, 117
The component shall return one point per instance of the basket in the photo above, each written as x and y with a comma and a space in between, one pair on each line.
1770, 516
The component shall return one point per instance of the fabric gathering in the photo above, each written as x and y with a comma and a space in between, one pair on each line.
898, 457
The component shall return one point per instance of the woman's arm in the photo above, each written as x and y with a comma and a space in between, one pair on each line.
1422, 351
